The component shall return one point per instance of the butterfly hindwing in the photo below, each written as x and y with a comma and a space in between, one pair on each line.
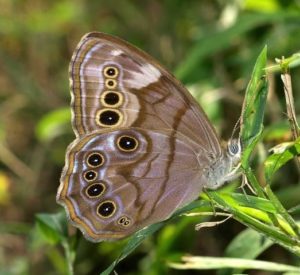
119, 181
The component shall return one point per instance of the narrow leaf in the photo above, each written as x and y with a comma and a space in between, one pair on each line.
253, 107
53, 124
206, 263
52, 226
281, 156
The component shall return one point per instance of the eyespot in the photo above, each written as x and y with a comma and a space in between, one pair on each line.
95, 160
127, 143
124, 221
110, 72
108, 117
111, 99
106, 209
90, 175
95, 190
110, 83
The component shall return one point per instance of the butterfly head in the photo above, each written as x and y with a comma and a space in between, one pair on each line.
226, 167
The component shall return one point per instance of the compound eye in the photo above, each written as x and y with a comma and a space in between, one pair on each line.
234, 147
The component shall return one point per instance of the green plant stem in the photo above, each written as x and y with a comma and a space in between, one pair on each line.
284, 240
281, 210
260, 192
289, 62
277, 204
70, 257
254, 182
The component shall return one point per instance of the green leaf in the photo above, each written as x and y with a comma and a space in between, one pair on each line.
253, 108
53, 124
207, 263
259, 220
247, 245
141, 235
240, 200
216, 41
237, 200
262, 6
132, 244
53, 227
281, 156
276, 131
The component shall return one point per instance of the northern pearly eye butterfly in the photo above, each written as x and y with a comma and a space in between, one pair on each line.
143, 147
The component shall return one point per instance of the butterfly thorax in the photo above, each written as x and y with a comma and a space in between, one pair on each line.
225, 167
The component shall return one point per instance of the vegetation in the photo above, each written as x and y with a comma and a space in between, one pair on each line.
230, 56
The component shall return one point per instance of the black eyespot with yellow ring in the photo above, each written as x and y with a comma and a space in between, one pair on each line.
111, 99
95, 190
95, 159
111, 72
124, 221
110, 83
109, 117
106, 209
90, 175
127, 143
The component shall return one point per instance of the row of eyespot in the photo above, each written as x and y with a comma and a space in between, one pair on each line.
107, 208
112, 99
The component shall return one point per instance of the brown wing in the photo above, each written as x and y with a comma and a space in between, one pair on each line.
117, 85
131, 185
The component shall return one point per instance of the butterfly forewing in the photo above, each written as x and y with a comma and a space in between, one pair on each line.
116, 85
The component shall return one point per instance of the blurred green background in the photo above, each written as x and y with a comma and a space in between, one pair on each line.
210, 45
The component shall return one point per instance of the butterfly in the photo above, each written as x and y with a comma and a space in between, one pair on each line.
144, 147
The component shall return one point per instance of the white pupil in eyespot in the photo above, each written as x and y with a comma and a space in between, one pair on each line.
127, 143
